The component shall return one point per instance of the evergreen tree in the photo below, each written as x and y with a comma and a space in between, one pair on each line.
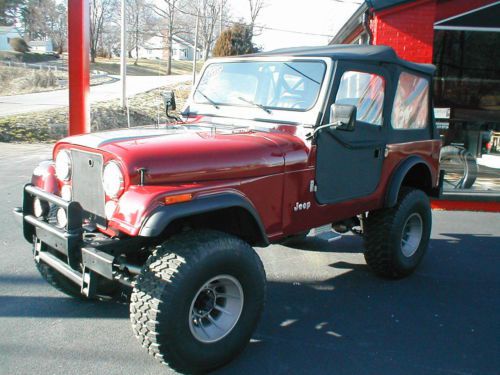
236, 40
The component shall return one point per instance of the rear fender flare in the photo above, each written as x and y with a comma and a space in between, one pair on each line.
398, 177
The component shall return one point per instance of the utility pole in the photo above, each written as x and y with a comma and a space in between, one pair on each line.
123, 57
196, 42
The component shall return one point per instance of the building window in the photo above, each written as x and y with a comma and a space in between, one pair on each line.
366, 92
410, 109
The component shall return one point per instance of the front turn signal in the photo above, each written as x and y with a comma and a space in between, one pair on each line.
178, 198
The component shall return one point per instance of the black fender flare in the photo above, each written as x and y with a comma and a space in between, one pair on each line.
391, 197
162, 216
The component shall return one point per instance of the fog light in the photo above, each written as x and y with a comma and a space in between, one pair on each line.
110, 209
66, 193
62, 218
40, 208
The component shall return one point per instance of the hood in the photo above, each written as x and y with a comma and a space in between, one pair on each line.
175, 155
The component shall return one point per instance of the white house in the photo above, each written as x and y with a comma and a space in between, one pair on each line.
6, 34
41, 46
155, 48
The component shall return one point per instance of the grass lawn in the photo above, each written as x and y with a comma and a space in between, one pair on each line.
48, 126
144, 67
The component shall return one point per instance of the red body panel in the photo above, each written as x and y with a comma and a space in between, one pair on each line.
273, 170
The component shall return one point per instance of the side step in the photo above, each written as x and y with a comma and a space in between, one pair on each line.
325, 233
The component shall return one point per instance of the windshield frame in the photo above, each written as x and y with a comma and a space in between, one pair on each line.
286, 115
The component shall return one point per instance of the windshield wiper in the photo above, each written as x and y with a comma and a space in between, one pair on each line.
208, 99
254, 104
302, 74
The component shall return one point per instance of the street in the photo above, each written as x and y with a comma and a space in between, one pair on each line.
326, 312
27, 103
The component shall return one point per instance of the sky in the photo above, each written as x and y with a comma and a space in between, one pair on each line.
310, 16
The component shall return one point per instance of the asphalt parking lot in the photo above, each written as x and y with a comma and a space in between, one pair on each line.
325, 314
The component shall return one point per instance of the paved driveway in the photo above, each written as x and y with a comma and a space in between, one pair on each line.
11, 105
325, 314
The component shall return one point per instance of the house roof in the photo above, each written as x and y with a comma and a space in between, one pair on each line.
39, 43
355, 52
8, 29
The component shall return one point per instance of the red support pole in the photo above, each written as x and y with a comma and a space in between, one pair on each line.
78, 60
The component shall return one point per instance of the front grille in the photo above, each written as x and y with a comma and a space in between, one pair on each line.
87, 185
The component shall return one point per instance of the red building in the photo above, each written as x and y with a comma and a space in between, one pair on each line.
461, 37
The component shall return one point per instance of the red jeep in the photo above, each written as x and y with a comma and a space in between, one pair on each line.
272, 145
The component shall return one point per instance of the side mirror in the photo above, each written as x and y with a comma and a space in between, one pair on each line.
169, 100
343, 117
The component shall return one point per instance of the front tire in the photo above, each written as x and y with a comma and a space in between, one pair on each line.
198, 300
397, 238
55, 279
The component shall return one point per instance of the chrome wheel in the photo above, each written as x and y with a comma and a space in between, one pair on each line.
216, 308
412, 234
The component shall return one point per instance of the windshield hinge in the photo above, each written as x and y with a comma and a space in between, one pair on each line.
312, 186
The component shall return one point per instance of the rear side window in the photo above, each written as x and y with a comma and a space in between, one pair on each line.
411, 103
366, 92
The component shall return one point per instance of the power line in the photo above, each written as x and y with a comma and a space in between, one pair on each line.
262, 27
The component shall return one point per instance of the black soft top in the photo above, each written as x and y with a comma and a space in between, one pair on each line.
352, 52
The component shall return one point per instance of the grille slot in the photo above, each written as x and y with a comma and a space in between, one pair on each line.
87, 185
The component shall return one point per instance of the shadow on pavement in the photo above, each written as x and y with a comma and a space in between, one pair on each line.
59, 307
441, 320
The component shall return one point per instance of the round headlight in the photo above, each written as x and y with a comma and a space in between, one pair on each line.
63, 165
112, 180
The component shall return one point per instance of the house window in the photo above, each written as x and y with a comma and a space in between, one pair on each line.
411, 109
366, 92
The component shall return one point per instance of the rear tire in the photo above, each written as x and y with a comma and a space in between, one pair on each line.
186, 285
397, 238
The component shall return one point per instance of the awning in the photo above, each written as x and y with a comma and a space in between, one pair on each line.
486, 18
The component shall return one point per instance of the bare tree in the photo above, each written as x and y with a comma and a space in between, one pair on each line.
209, 18
59, 28
141, 25
256, 7
168, 11
101, 14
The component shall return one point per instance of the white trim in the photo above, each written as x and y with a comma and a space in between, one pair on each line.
468, 12
468, 28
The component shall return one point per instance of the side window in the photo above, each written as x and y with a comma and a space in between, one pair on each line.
411, 103
366, 92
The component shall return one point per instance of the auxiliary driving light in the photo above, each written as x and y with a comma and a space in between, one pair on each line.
110, 209
62, 218
40, 208
66, 193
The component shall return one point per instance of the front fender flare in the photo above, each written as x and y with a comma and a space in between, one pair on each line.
398, 176
162, 216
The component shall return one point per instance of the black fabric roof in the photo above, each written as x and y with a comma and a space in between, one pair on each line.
352, 52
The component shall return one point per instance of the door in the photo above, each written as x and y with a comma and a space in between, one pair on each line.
349, 163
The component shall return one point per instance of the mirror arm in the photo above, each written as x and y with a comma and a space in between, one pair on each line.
333, 125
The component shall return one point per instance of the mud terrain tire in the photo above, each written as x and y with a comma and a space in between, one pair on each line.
167, 305
397, 238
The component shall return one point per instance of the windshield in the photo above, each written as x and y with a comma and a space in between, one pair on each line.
286, 85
